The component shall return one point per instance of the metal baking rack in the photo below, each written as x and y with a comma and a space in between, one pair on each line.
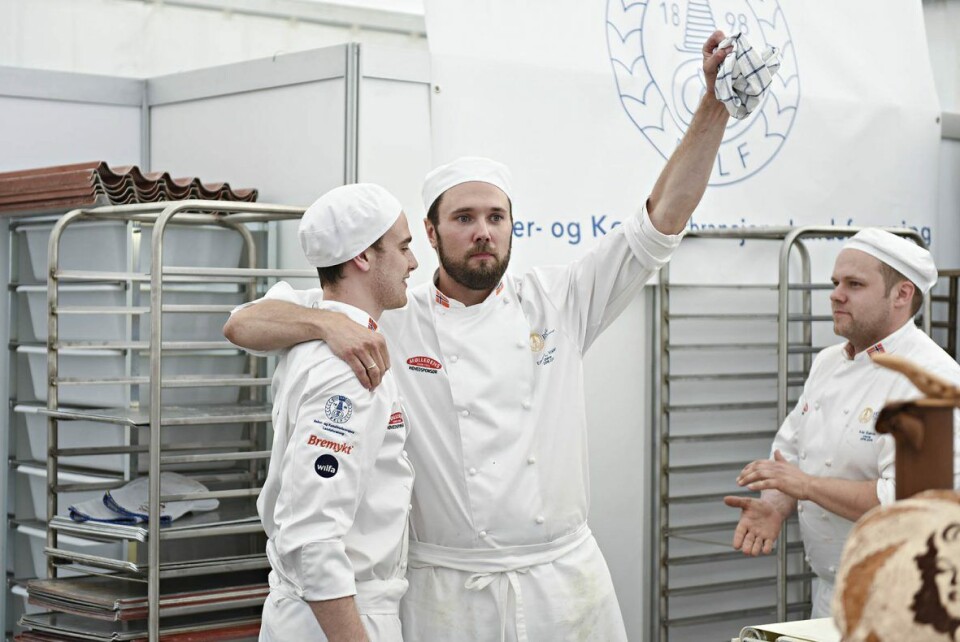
733, 357
193, 545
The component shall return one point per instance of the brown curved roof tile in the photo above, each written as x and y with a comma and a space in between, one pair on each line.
61, 187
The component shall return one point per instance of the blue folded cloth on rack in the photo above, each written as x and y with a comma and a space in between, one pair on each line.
129, 504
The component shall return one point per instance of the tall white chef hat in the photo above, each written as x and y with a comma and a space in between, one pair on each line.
345, 221
465, 170
904, 256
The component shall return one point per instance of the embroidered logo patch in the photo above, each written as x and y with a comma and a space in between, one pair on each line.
424, 364
326, 466
339, 409
335, 446
536, 342
396, 421
866, 415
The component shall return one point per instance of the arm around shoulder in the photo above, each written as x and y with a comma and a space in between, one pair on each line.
271, 326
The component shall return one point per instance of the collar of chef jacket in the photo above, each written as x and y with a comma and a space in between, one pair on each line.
354, 313
887, 345
442, 300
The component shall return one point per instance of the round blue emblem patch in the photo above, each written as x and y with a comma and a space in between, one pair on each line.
326, 466
339, 409
655, 50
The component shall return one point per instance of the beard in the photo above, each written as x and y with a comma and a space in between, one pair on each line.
482, 277
862, 332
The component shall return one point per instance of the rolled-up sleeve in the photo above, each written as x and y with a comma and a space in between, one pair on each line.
329, 460
887, 484
785, 439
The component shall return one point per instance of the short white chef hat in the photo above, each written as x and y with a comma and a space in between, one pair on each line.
345, 221
465, 170
904, 256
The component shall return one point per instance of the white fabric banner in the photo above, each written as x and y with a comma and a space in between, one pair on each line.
586, 100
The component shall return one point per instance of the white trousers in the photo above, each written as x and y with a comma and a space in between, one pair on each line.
822, 598
568, 599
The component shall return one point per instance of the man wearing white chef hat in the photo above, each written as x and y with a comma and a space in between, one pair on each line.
336, 500
490, 367
827, 461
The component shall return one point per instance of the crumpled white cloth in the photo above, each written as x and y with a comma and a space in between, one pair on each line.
129, 503
745, 74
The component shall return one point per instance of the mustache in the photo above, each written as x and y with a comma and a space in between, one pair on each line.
482, 248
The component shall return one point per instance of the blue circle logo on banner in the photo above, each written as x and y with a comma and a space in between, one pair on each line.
656, 52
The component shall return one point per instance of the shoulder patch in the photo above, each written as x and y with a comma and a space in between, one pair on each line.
326, 466
396, 421
339, 409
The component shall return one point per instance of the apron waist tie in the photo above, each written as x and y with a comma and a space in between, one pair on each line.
507, 580
503, 565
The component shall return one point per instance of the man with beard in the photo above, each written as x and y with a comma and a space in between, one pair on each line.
491, 375
828, 463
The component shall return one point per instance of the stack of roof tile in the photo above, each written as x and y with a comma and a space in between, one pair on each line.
94, 183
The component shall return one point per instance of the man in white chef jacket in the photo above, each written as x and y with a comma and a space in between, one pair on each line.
827, 461
490, 369
335, 503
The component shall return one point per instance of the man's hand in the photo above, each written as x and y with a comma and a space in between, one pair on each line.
365, 351
712, 59
776, 474
273, 325
759, 525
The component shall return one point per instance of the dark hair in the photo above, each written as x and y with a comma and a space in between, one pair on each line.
433, 213
330, 275
892, 277
927, 602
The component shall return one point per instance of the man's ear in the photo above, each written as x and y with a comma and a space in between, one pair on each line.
903, 294
362, 261
431, 232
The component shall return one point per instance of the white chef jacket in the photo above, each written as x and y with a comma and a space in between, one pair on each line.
496, 392
830, 433
336, 499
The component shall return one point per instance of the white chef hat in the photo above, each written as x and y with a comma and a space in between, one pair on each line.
465, 170
345, 221
904, 256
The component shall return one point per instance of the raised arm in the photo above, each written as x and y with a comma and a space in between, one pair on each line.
684, 179
273, 325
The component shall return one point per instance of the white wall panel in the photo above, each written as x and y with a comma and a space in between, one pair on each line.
395, 152
286, 141
946, 249
38, 132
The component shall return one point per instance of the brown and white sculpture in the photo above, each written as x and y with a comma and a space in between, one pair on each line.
899, 578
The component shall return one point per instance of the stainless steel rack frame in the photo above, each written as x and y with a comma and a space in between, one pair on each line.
153, 413
794, 350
